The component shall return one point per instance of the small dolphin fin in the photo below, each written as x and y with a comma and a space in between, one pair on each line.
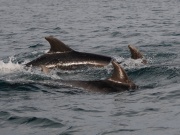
135, 53
119, 74
44, 69
57, 45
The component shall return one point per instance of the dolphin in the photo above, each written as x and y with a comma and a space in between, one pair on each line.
136, 54
118, 82
63, 57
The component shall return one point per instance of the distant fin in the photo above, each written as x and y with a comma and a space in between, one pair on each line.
44, 69
57, 45
135, 54
119, 74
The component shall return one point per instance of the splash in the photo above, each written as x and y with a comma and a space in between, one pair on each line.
10, 67
119, 59
131, 63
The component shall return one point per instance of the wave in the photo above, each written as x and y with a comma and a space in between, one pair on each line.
35, 121
30, 120
156, 76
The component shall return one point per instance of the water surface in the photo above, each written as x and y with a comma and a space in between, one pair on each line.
34, 103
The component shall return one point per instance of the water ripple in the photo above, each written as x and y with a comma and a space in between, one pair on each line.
34, 103
35, 122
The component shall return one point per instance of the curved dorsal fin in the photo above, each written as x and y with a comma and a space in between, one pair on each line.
57, 45
119, 74
135, 54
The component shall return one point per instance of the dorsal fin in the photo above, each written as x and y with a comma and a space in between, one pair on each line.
119, 74
135, 53
57, 45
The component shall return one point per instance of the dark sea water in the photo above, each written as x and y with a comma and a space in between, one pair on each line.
32, 103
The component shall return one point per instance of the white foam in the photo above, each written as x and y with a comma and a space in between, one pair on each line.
131, 63
119, 59
10, 67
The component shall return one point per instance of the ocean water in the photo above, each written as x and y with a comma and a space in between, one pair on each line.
33, 103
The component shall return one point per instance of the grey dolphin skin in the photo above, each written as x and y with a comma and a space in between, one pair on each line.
118, 82
63, 57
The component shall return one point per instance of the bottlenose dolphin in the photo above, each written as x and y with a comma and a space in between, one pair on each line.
119, 81
63, 57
